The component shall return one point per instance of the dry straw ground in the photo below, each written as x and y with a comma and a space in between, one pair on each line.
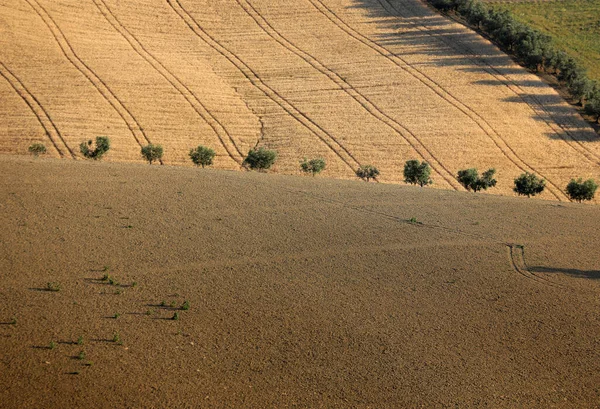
355, 81
303, 292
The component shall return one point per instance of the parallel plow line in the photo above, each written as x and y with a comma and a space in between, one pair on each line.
361, 99
331, 142
224, 136
38, 110
481, 122
531, 101
134, 127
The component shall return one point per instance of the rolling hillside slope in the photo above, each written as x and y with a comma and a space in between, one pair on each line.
355, 81
305, 292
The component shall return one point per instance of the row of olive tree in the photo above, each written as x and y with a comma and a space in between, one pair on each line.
534, 49
415, 172
527, 184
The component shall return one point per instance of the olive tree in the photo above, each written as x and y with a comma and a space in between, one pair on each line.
312, 166
579, 190
37, 149
528, 184
471, 180
152, 153
202, 156
417, 173
260, 159
367, 172
96, 152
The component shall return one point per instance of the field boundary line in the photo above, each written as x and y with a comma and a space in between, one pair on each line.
259, 83
134, 126
446, 95
530, 100
38, 110
175, 82
355, 94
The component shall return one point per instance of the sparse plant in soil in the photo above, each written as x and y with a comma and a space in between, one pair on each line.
152, 153
81, 355
528, 184
202, 156
52, 345
367, 172
312, 166
13, 321
101, 147
37, 149
260, 159
471, 180
117, 339
417, 173
185, 306
53, 286
175, 316
80, 340
117, 315
580, 191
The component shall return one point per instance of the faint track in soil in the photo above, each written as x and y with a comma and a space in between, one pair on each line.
223, 135
481, 122
331, 142
371, 108
531, 101
38, 110
517, 259
134, 126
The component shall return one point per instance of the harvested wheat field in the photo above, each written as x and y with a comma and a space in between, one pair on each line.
289, 292
354, 81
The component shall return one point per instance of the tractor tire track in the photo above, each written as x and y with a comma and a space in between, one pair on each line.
531, 101
517, 259
331, 142
438, 89
219, 129
38, 110
134, 126
408, 136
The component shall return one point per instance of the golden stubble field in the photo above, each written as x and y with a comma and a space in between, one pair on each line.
354, 81
305, 292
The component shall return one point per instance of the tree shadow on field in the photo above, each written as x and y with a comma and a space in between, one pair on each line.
414, 26
409, 27
591, 274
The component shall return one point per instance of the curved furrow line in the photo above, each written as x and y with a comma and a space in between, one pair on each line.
134, 126
438, 89
517, 259
361, 99
531, 101
231, 147
269, 92
38, 110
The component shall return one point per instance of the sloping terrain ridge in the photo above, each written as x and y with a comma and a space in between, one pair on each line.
354, 81
302, 292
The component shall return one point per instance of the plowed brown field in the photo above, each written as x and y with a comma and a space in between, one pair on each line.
354, 81
303, 292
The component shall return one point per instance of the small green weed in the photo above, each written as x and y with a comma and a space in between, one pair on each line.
175, 317
53, 286
185, 306
81, 355
117, 339
80, 340
52, 345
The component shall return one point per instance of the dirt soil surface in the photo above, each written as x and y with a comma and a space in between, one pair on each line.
302, 292
356, 82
